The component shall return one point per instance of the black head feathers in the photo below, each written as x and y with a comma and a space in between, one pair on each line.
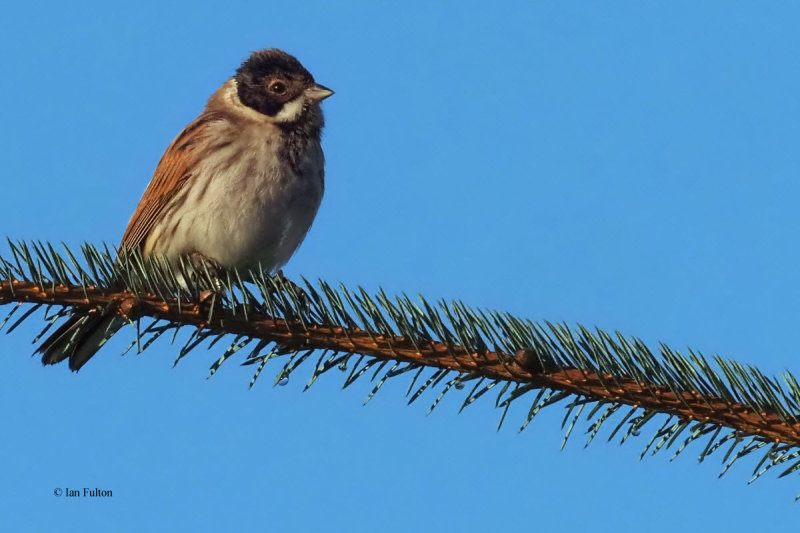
270, 78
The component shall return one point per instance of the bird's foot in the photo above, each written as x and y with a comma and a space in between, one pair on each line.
210, 267
301, 296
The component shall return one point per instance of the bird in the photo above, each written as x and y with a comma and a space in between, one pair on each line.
238, 188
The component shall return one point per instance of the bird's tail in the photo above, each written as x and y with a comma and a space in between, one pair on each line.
80, 337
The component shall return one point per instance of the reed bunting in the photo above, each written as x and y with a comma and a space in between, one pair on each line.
239, 187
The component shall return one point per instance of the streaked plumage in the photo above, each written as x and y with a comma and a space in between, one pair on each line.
240, 185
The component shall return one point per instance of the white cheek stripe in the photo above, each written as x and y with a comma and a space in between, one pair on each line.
291, 110
231, 96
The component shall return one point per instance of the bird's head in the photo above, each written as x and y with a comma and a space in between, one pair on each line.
275, 84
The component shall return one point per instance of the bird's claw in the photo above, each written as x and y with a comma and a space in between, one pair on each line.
297, 290
204, 264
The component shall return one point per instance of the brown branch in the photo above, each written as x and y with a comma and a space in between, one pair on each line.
522, 367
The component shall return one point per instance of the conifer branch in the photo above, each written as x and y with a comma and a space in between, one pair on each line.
725, 404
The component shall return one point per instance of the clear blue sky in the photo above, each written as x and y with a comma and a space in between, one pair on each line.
629, 165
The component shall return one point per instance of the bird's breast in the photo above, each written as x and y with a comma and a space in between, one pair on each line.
249, 204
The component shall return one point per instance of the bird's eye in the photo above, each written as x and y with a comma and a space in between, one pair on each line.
277, 87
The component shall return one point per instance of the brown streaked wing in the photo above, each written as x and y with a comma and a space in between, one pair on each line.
172, 172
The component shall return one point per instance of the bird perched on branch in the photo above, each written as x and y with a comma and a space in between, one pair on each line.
238, 188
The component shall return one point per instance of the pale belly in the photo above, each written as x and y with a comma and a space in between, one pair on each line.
241, 217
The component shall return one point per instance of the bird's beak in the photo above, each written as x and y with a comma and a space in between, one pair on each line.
318, 92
